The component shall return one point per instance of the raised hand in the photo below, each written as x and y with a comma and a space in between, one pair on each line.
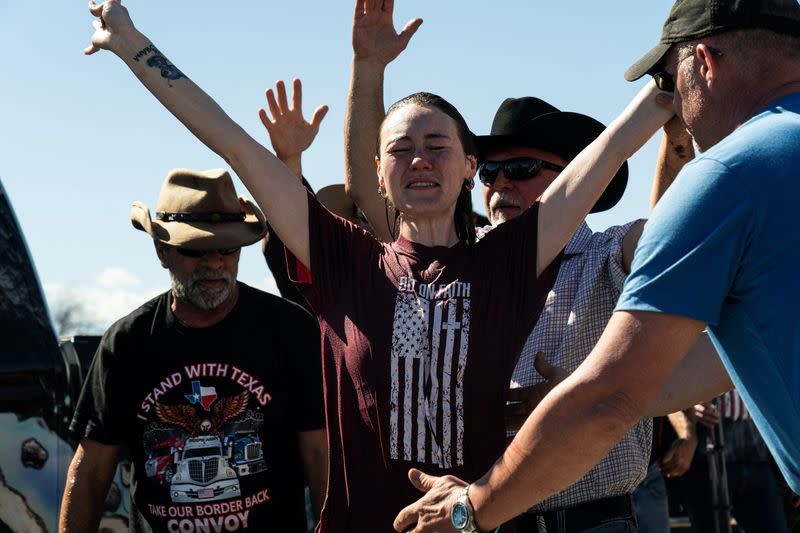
112, 23
289, 132
374, 36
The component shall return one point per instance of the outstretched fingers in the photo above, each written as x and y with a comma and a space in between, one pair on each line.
272, 103
409, 30
297, 96
265, 120
316, 118
283, 102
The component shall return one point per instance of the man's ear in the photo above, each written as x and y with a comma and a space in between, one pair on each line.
161, 251
708, 63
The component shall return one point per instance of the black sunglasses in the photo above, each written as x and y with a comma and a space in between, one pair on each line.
518, 169
197, 254
666, 81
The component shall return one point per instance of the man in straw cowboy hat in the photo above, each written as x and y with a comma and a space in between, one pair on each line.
719, 251
214, 387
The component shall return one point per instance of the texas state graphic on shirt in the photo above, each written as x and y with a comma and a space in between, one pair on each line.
201, 448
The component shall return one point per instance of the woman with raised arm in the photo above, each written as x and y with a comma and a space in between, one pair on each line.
414, 372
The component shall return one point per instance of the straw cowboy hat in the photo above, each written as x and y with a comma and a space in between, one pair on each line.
200, 210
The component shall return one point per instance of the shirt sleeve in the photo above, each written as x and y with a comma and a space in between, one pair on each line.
306, 372
687, 259
610, 251
340, 253
97, 413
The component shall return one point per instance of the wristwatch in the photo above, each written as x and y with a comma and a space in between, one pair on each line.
462, 516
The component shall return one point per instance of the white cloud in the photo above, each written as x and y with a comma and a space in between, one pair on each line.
117, 278
94, 307
114, 294
268, 285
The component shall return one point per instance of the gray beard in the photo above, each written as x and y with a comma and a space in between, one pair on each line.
199, 296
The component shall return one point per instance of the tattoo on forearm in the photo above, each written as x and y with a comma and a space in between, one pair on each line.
144, 51
168, 70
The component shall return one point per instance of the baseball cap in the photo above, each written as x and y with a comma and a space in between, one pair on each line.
693, 19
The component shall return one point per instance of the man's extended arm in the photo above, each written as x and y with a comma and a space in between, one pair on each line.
678, 458
314, 452
375, 45
573, 427
675, 151
580, 420
699, 376
88, 479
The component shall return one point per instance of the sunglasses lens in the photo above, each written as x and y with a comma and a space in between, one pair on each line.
487, 172
664, 81
186, 252
523, 169
513, 170
196, 254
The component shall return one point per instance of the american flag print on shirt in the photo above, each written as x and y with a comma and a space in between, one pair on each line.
430, 341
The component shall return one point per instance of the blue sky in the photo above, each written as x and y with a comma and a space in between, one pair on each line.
81, 140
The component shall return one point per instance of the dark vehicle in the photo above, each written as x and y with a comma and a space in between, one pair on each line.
245, 453
40, 380
162, 458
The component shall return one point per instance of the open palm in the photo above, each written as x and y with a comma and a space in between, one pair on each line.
288, 130
374, 36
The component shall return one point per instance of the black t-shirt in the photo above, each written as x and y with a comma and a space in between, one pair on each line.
210, 415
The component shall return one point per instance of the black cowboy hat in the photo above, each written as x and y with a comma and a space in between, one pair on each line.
532, 122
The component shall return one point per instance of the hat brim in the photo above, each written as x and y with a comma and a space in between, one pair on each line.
648, 62
563, 133
203, 235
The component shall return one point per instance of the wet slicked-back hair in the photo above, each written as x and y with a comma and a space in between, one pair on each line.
465, 227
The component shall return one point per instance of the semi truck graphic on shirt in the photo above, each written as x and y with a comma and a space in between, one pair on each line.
212, 443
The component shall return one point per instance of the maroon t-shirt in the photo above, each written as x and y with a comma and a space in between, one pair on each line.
418, 346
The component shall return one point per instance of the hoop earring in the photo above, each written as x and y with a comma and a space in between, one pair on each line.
382, 192
469, 184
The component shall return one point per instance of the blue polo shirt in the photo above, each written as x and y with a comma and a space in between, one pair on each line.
723, 247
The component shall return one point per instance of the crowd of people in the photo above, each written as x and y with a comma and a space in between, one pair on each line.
463, 375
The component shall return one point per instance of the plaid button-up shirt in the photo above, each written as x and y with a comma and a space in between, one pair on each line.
576, 312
